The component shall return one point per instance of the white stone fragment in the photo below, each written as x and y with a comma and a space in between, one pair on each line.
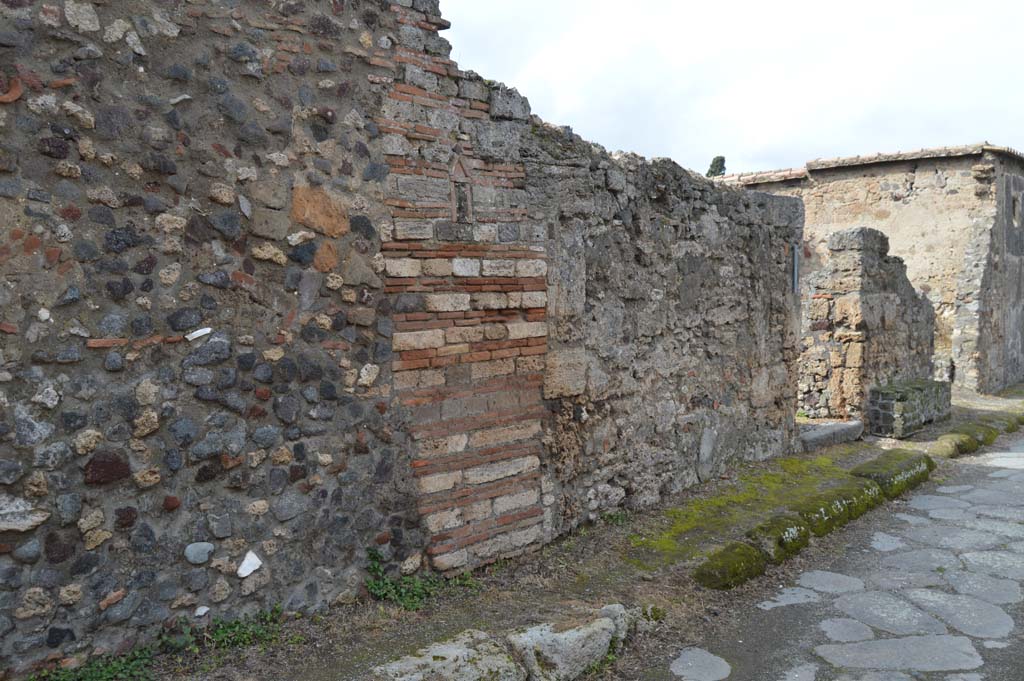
201, 610
250, 564
198, 333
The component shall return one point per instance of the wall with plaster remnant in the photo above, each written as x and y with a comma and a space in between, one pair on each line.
282, 284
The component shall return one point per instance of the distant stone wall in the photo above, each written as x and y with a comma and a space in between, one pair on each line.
950, 217
278, 286
864, 325
988, 344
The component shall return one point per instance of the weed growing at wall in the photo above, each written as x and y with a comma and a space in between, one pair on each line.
135, 666
261, 629
410, 592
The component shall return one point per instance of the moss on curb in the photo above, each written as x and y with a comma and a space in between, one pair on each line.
985, 435
836, 506
730, 566
896, 471
781, 537
962, 443
1004, 422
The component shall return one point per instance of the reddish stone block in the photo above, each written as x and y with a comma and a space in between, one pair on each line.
106, 467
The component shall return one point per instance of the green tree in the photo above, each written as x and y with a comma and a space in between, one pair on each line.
717, 168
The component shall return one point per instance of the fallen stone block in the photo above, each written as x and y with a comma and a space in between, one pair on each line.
469, 656
730, 566
896, 471
551, 653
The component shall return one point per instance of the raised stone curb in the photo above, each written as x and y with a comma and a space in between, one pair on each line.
896, 471
953, 445
838, 505
730, 566
783, 536
984, 434
546, 652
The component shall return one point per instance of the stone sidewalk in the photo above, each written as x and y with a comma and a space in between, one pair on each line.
928, 592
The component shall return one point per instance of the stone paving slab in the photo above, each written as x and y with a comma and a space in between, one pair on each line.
928, 594
916, 653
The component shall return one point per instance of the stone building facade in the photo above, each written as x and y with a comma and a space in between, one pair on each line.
281, 283
954, 215
864, 326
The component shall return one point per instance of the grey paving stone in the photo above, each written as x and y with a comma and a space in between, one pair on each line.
1008, 485
1007, 529
953, 537
912, 653
695, 664
830, 582
985, 587
880, 541
896, 580
876, 676
998, 563
1014, 514
922, 560
992, 497
846, 630
889, 613
804, 672
954, 489
791, 596
950, 514
912, 519
966, 614
930, 502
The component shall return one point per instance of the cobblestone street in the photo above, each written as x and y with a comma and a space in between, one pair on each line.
928, 589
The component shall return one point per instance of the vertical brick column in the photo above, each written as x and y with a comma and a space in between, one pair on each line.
468, 284
469, 346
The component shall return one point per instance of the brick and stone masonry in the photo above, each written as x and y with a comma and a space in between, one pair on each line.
954, 215
281, 283
864, 326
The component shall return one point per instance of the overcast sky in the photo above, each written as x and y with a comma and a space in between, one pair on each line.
766, 84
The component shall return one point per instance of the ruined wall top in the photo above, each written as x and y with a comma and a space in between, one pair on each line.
790, 174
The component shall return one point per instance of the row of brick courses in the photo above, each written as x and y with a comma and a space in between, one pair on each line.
477, 448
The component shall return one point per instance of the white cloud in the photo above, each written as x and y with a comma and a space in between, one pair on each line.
766, 84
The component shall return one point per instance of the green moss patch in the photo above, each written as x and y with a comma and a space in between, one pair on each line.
896, 471
1006, 423
730, 566
834, 507
961, 443
781, 537
755, 496
985, 435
